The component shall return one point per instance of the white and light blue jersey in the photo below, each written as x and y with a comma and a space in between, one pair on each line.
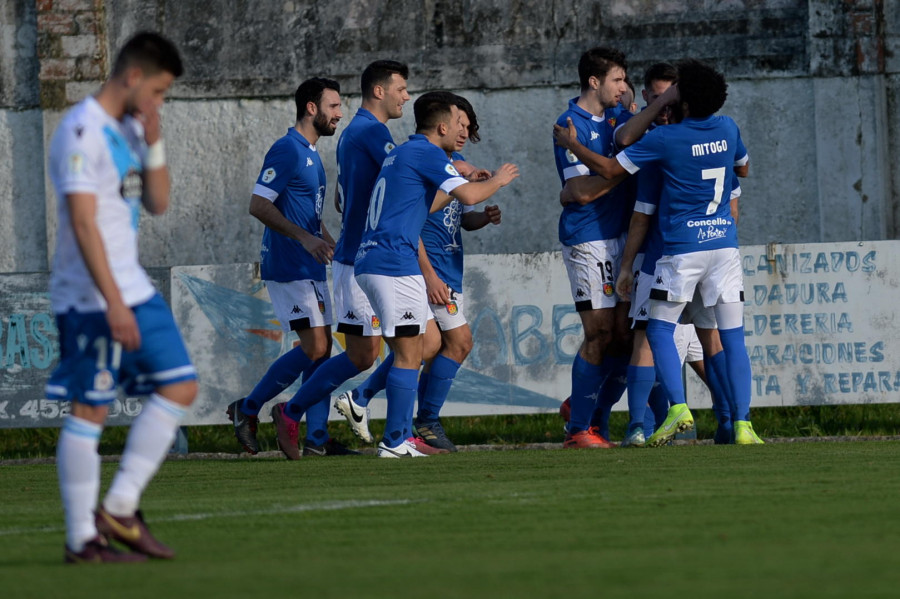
697, 158
409, 179
361, 149
91, 152
603, 218
442, 239
293, 178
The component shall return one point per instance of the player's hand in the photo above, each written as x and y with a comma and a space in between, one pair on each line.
670, 96
565, 137
566, 197
320, 249
148, 114
123, 326
464, 169
480, 174
437, 290
505, 174
493, 214
624, 284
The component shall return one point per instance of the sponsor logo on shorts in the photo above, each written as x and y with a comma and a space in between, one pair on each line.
376, 324
407, 316
296, 310
608, 289
350, 315
452, 309
103, 380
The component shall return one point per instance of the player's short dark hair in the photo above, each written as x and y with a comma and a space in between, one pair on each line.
380, 73
660, 71
701, 87
150, 52
597, 62
630, 85
433, 108
466, 107
311, 91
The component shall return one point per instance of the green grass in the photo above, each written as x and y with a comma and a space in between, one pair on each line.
781, 520
801, 421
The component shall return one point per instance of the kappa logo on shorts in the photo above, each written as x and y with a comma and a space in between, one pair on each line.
350, 315
579, 293
608, 289
408, 316
296, 310
643, 312
269, 175
452, 309
659, 281
376, 324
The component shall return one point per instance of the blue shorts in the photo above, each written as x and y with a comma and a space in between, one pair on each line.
92, 366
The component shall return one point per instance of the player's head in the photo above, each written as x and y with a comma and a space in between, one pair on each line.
702, 88
146, 65
469, 129
437, 114
627, 99
319, 99
657, 79
602, 70
384, 81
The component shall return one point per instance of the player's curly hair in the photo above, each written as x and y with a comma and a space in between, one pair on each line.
701, 87
597, 62
466, 107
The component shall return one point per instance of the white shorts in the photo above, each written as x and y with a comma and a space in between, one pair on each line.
593, 268
695, 313
300, 305
687, 343
449, 316
640, 301
716, 273
400, 303
355, 315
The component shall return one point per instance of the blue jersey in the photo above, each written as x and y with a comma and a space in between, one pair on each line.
697, 158
603, 218
443, 241
409, 179
362, 148
293, 178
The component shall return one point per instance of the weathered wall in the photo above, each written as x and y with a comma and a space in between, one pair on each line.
813, 84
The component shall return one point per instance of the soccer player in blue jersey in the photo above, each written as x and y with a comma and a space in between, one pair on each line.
591, 230
106, 160
699, 158
288, 198
387, 266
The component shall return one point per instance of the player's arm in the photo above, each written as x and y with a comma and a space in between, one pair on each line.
471, 172
735, 212
476, 192
337, 202
637, 125
156, 184
567, 137
637, 232
743, 170
584, 189
83, 213
269, 215
472, 221
326, 235
437, 290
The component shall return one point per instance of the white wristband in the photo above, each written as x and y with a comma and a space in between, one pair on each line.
156, 156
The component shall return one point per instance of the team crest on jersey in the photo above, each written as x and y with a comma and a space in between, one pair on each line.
571, 157
103, 380
388, 147
132, 184
451, 170
612, 122
452, 309
376, 324
269, 175
608, 289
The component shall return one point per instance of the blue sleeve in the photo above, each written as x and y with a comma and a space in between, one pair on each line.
647, 150
278, 168
377, 142
567, 163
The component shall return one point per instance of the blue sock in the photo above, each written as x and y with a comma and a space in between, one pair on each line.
661, 335
280, 375
657, 410
401, 397
640, 384
740, 376
375, 383
327, 377
423, 386
440, 378
317, 415
716, 379
586, 381
615, 372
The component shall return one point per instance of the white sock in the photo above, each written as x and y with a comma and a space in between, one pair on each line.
78, 467
149, 440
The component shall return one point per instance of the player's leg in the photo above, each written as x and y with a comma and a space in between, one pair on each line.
162, 361
615, 365
716, 371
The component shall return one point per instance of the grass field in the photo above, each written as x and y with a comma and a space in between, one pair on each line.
780, 520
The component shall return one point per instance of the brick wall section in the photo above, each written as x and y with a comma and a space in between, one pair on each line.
72, 50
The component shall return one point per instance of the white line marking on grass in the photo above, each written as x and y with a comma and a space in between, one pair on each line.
323, 506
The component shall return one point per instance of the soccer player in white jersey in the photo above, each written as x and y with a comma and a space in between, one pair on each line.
106, 160
387, 266
699, 158
361, 148
591, 231
288, 199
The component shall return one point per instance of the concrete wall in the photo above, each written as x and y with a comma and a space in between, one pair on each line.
813, 84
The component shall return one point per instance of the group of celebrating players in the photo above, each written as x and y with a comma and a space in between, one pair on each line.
666, 238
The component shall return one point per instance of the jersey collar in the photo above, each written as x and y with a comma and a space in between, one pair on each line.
574, 107
295, 135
